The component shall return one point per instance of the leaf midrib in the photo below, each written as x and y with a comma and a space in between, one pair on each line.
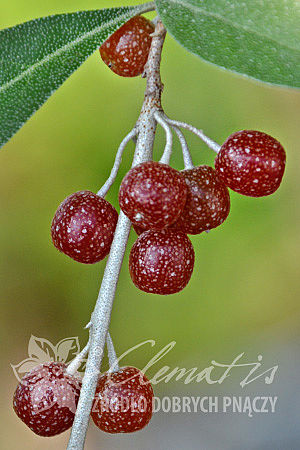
61, 50
229, 22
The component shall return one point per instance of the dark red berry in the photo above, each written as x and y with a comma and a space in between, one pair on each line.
207, 204
153, 195
161, 262
83, 227
123, 401
251, 163
138, 229
126, 51
46, 399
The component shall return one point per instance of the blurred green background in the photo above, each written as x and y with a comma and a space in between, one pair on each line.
244, 293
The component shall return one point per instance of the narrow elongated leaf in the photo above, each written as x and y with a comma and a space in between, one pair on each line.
258, 38
36, 57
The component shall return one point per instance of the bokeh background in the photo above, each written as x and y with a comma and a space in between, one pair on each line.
244, 293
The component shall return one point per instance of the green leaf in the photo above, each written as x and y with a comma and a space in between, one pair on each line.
36, 57
258, 38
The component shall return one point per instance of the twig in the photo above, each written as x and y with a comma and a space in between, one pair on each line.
209, 142
77, 361
146, 7
146, 127
114, 171
112, 357
187, 158
165, 159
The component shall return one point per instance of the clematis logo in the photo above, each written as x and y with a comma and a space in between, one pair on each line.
41, 350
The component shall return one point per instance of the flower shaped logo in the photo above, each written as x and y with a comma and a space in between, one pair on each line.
41, 351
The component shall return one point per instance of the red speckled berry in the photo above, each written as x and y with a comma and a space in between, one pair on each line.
251, 163
46, 399
207, 204
161, 262
123, 401
126, 51
153, 195
138, 229
83, 227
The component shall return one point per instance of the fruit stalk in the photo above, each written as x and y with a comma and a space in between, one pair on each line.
100, 319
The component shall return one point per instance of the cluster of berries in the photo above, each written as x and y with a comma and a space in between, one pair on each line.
46, 400
164, 205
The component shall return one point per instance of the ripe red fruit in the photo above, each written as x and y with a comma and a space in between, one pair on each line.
161, 262
83, 227
207, 204
138, 229
123, 401
46, 399
153, 195
251, 163
126, 51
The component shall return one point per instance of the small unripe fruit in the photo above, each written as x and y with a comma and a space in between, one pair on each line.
123, 401
207, 204
83, 227
46, 399
251, 163
153, 195
161, 262
126, 51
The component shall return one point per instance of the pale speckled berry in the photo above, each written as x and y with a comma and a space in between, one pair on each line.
123, 401
46, 399
83, 227
126, 51
251, 163
161, 262
153, 195
207, 204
